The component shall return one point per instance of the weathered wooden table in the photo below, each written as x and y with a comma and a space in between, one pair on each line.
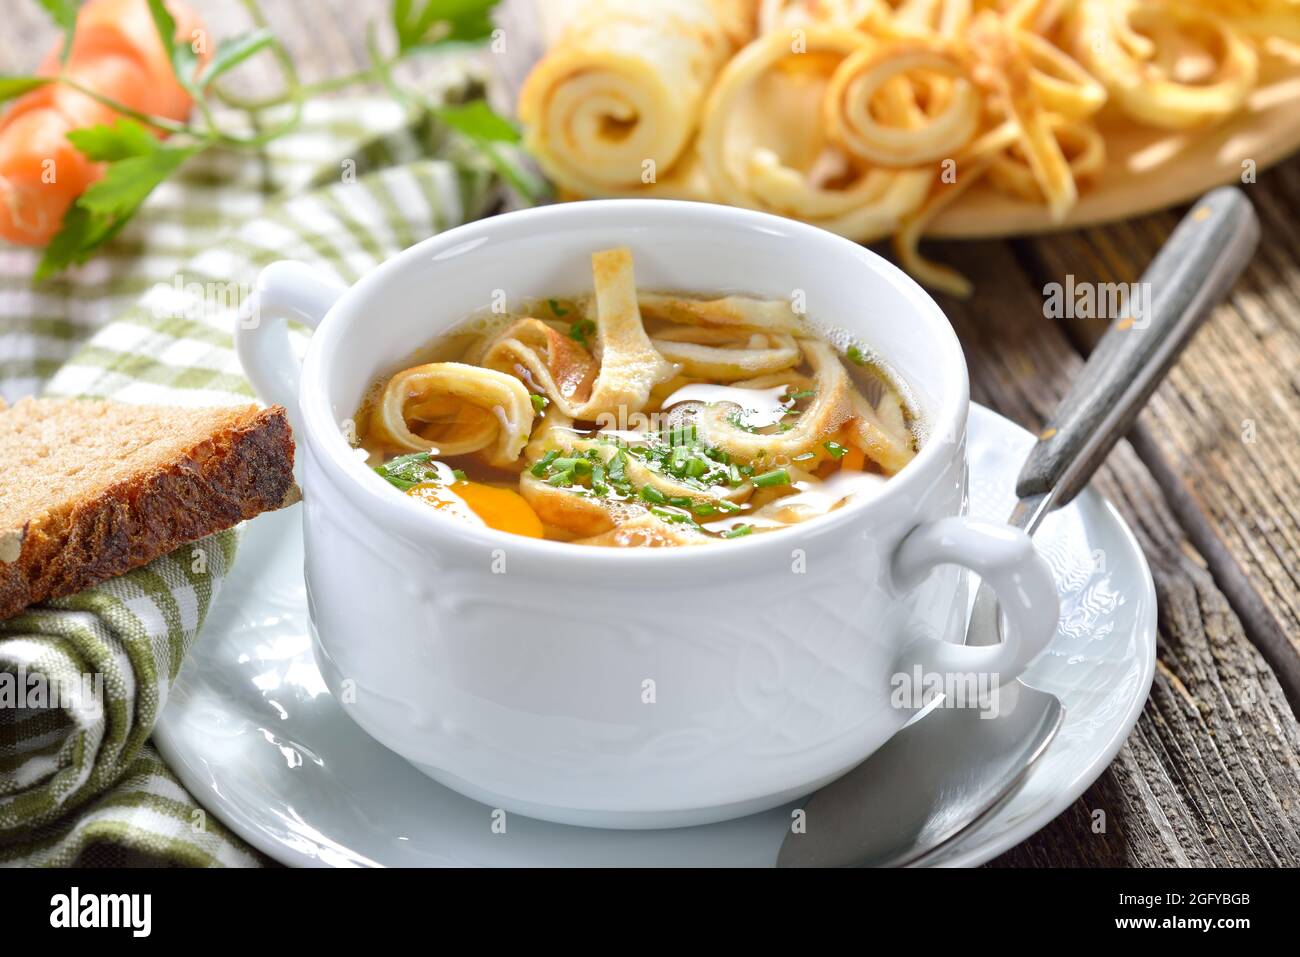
1209, 480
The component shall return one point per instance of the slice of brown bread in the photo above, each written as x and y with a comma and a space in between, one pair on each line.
89, 490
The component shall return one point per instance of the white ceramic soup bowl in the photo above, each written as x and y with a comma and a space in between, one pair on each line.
634, 687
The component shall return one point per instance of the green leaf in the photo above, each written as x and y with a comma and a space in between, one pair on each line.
181, 54
64, 15
407, 471
128, 182
137, 163
494, 136
233, 52
431, 22
66, 247
107, 144
11, 86
479, 121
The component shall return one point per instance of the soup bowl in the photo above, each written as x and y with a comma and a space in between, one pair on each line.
635, 687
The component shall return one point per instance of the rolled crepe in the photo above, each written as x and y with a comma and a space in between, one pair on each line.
629, 365
763, 144
429, 392
1122, 45
613, 106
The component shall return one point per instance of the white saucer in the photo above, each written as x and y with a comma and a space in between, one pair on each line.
254, 735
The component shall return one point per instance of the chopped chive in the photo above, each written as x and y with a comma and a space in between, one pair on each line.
738, 532
804, 457
556, 308
856, 356
540, 467
651, 494
802, 394
540, 402
681, 501
772, 478
725, 506
675, 516
704, 508
747, 470
407, 471
835, 449
460, 475
580, 330
677, 461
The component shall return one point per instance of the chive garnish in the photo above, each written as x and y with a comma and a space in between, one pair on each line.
556, 308
544, 463
651, 494
580, 330
804, 457
676, 516
540, 402
802, 394
407, 471
835, 449
738, 532
856, 356
772, 478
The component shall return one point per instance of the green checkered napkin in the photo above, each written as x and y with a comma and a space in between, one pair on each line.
148, 321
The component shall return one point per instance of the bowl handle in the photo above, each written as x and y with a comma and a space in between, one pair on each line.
285, 290
1004, 557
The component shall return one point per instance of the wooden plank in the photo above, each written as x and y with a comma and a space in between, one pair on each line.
1211, 774
1222, 436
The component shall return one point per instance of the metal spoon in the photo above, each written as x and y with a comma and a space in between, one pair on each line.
952, 768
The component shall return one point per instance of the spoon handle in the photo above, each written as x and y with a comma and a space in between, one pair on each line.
1191, 274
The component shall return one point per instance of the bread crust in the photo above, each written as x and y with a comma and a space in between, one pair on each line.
235, 474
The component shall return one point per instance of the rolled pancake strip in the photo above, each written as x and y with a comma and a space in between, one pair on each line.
1114, 41
881, 431
1012, 78
746, 171
647, 531
621, 88
629, 364
829, 409
723, 364
1082, 143
852, 104
502, 395
768, 315
560, 367
581, 514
